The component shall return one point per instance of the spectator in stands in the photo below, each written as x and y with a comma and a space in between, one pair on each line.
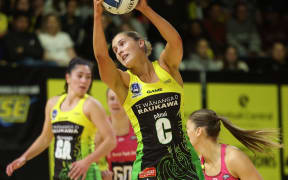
278, 61
202, 60
19, 6
136, 25
195, 8
242, 32
273, 28
85, 9
37, 14
71, 23
231, 62
54, 6
58, 45
174, 10
110, 30
215, 26
194, 32
22, 5
229, 5
20, 45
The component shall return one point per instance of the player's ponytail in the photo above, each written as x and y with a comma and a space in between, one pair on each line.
255, 140
148, 47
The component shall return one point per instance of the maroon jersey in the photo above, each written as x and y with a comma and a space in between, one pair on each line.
121, 159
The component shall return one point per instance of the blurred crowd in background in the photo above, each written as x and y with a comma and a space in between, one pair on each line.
218, 35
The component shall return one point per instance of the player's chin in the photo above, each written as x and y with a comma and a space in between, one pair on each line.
125, 64
82, 92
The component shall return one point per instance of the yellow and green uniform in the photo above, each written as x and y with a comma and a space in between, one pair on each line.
74, 139
156, 112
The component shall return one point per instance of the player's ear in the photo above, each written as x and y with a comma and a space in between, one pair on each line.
67, 77
199, 131
141, 43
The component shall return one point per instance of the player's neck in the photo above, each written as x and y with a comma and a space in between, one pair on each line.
210, 150
120, 123
146, 72
71, 99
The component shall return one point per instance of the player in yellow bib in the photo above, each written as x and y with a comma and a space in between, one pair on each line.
152, 95
73, 120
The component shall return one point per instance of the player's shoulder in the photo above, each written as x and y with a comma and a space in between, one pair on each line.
52, 101
232, 151
234, 155
92, 102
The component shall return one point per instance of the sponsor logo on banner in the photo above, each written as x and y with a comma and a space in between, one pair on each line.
249, 106
243, 100
14, 108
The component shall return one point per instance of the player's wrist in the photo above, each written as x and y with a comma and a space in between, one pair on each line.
23, 158
89, 160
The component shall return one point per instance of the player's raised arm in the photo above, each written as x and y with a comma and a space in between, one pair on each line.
109, 73
173, 52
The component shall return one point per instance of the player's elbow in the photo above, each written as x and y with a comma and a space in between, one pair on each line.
99, 56
178, 41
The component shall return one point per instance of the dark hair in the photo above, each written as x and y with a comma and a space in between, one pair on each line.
225, 61
72, 65
236, 8
16, 3
136, 36
19, 14
46, 18
255, 140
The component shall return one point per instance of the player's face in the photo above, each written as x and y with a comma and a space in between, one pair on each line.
125, 49
79, 80
191, 132
113, 102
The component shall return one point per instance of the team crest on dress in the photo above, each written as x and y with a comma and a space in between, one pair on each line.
136, 90
54, 114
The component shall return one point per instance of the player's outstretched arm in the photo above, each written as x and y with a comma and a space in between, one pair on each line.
172, 55
109, 73
39, 145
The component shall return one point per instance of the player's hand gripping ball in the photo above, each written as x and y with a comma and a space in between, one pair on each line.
119, 6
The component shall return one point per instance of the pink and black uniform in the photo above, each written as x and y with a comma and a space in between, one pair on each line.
224, 174
121, 159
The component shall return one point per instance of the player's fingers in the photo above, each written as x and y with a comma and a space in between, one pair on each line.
10, 169
97, 2
83, 176
73, 171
